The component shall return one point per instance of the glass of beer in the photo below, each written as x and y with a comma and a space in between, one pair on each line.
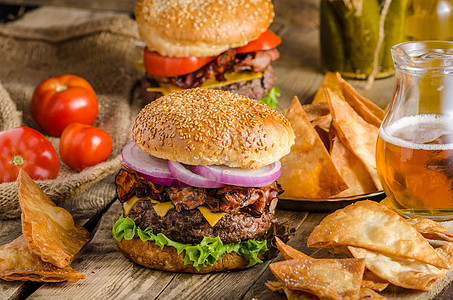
414, 153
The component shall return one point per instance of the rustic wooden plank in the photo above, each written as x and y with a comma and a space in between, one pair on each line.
9, 231
227, 285
447, 293
299, 241
109, 274
303, 13
260, 291
297, 71
11, 289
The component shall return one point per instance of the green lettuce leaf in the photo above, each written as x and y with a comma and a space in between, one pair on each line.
207, 252
271, 98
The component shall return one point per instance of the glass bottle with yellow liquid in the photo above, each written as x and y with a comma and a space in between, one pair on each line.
429, 20
414, 153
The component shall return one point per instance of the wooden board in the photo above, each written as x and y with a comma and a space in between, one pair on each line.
113, 276
109, 274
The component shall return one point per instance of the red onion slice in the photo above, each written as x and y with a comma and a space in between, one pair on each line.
241, 177
149, 167
164, 181
188, 177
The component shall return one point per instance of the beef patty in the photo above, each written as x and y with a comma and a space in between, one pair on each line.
189, 226
255, 88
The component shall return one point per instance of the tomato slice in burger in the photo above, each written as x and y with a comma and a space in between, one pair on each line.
267, 40
158, 65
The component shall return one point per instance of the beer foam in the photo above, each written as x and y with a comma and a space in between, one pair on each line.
415, 131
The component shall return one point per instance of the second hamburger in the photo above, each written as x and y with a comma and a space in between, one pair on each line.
207, 43
198, 184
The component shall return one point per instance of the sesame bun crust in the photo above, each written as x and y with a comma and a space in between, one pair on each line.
149, 255
201, 27
213, 127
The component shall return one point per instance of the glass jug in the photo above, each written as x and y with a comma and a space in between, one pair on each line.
414, 154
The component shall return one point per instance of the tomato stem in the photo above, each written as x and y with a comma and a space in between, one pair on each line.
61, 88
17, 160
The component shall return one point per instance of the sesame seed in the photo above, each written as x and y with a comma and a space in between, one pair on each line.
209, 123
220, 24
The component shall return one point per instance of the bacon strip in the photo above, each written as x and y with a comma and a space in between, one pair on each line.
227, 61
187, 197
225, 199
130, 184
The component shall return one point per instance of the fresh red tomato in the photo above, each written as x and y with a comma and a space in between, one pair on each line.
62, 100
158, 65
27, 149
83, 146
267, 40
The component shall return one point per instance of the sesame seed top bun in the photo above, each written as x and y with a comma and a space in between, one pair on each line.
201, 27
213, 127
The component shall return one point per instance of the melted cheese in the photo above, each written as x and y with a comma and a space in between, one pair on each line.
211, 217
161, 208
131, 202
166, 88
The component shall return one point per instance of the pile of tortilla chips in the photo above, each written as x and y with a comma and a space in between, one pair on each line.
334, 151
49, 243
381, 247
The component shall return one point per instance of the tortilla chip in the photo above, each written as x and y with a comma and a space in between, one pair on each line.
324, 136
308, 171
355, 133
404, 272
49, 230
369, 294
372, 281
329, 278
277, 286
319, 116
369, 280
351, 170
364, 107
322, 121
316, 110
446, 252
17, 262
289, 252
370, 225
431, 229
330, 81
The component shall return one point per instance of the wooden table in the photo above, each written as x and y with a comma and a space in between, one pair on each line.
111, 276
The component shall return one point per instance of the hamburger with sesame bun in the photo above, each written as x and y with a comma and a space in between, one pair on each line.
221, 44
198, 182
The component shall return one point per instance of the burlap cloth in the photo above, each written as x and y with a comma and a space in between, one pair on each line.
103, 51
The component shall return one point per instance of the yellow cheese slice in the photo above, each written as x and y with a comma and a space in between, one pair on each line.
232, 77
211, 217
129, 203
161, 208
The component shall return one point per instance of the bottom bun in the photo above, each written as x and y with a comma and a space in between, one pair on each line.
149, 255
